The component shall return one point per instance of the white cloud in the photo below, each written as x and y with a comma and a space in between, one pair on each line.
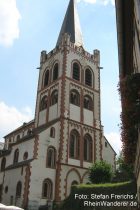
9, 20
114, 140
103, 2
11, 118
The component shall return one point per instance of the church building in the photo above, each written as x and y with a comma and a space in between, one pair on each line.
43, 158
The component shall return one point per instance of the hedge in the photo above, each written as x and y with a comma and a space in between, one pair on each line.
105, 189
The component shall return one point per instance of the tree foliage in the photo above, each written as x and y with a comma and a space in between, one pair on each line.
129, 89
100, 172
124, 171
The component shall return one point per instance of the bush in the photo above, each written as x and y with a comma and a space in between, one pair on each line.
123, 188
100, 172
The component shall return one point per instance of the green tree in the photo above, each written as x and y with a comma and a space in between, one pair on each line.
100, 172
124, 171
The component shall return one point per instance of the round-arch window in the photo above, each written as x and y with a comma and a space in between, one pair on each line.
18, 189
76, 71
6, 189
43, 103
88, 148
75, 97
74, 145
3, 164
29, 132
25, 156
16, 156
18, 137
88, 103
54, 97
46, 79
47, 189
55, 72
88, 77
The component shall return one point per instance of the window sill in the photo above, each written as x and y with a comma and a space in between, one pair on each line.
74, 158
88, 161
75, 104
51, 167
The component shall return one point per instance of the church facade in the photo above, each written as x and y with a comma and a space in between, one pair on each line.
43, 158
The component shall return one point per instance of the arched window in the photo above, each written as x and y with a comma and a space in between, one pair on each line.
18, 189
88, 77
52, 132
29, 132
76, 72
6, 189
54, 97
88, 103
75, 97
25, 156
74, 145
3, 164
88, 148
51, 157
46, 78
47, 189
18, 137
16, 155
43, 103
55, 72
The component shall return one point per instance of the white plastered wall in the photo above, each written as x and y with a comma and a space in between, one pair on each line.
39, 171
11, 179
23, 147
108, 153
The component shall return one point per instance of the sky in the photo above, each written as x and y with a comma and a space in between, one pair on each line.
27, 28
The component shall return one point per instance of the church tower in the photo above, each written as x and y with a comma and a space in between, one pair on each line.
67, 117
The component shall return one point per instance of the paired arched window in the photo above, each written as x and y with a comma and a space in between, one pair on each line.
54, 97
16, 156
52, 132
74, 97
88, 77
3, 164
18, 189
55, 72
76, 71
74, 145
88, 148
43, 103
46, 78
88, 103
47, 189
51, 157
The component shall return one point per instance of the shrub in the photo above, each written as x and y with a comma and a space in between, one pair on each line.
100, 172
123, 188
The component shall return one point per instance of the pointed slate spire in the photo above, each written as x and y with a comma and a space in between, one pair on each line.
71, 25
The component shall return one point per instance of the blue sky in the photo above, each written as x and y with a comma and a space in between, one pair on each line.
28, 27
